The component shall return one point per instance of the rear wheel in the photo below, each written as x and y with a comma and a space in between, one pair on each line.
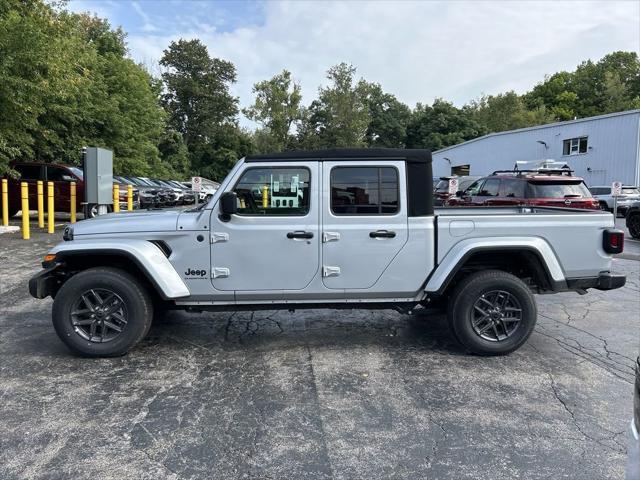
633, 224
492, 312
102, 312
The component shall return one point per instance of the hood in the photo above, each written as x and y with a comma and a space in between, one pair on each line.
143, 221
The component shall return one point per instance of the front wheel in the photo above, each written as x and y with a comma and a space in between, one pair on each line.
102, 312
492, 312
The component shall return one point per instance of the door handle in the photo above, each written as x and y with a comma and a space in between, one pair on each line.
382, 234
300, 234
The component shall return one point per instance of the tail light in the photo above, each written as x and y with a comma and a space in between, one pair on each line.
613, 241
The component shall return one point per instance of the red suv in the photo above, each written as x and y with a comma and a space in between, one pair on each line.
61, 176
530, 188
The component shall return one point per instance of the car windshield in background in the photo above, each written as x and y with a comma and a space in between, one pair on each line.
77, 171
558, 189
630, 191
442, 186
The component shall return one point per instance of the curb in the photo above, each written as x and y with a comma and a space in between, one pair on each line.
9, 229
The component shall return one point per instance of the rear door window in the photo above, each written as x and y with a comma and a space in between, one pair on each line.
364, 191
512, 188
558, 189
29, 172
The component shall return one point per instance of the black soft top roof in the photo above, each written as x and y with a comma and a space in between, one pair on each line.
418, 168
410, 155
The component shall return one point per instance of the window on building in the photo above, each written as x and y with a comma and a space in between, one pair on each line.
461, 170
575, 146
364, 190
273, 191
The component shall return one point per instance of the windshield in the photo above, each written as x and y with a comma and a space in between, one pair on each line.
442, 186
558, 190
77, 172
142, 182
630, 191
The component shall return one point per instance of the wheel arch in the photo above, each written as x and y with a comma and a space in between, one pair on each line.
533, 260
145, 260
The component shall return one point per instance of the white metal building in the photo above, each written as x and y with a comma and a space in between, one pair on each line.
600, 149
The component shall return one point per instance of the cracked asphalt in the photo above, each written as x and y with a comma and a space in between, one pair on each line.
316, 394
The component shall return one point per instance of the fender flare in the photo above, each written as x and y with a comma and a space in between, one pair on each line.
461, 251
147, 256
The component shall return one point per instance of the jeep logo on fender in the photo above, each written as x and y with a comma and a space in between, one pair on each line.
191, 273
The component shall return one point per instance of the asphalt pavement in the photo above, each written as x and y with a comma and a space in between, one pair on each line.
317, 394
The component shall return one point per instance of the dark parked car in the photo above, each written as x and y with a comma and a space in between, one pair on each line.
528, 188
61, 176
633, 220
441, 190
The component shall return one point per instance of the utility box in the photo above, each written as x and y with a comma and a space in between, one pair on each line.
98, 176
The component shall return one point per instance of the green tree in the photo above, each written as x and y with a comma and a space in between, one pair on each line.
199, 103
340, 116
277, 108
65, 82
507, 111
594, 88
441, 125
388, 119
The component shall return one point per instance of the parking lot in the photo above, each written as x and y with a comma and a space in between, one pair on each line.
317, 394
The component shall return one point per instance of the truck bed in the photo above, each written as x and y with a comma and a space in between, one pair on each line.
573, 235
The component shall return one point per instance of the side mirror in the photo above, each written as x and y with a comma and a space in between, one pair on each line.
459, 194
228, 205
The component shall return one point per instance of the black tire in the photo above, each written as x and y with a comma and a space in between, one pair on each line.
91, 210
603, 206
136, 301
462, 309
633, 224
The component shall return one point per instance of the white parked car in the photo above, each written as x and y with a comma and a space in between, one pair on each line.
602, 194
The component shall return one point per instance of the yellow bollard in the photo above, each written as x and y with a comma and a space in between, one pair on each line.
72, 196
50, 210
130, 198
40, 205
265, 197
26, 234
116, 198
5, 202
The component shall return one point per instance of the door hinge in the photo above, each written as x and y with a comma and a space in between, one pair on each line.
330, 237
330, 271
221, 272
219, 237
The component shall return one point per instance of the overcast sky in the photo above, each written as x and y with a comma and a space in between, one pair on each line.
418, 51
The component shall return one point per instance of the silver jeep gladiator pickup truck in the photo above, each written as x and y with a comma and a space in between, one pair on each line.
351, 228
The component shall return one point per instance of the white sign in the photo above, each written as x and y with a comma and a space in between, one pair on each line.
616, 189
453, 186
196, 184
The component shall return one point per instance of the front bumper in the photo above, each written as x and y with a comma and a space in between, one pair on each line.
604, 281
45, 283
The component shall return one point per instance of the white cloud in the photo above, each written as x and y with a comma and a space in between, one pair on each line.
416, 50
147, 25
